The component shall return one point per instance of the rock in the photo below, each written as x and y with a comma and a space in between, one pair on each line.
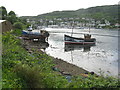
65, 73
55, 69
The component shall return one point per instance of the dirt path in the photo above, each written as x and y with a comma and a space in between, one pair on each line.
68, 68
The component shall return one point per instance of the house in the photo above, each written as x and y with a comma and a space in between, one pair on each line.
5, 26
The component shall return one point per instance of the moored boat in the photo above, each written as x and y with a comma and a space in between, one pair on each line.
41, 35
87, 40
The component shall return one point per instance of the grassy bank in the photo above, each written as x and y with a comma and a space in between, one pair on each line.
34, 70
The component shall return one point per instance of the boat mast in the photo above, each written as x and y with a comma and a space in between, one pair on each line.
71, 56
89, 27
72, 28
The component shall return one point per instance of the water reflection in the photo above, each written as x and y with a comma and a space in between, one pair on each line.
71, 47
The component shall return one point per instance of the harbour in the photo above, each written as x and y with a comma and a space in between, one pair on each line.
101, 58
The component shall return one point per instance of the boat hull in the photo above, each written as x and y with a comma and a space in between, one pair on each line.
81, 41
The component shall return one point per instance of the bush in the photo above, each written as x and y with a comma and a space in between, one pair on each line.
29, 75
16, 32
18, 25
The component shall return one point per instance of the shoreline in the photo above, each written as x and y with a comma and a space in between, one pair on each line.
62, 66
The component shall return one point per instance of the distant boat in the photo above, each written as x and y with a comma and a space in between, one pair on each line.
87, 40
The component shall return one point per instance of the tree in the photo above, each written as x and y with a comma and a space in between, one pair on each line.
12, 17
3, 13
12, 13
18, 25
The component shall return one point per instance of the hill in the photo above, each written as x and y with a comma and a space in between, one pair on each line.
98, 12
110, 10
99, 17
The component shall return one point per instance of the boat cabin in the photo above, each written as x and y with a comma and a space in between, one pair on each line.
87, 36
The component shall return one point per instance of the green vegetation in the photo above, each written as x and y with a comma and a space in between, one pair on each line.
18, 25
23, 70
12, 17
3, 13
34, 70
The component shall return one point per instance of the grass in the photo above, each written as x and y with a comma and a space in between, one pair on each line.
24, 70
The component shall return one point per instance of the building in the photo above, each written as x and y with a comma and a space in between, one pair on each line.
5, 26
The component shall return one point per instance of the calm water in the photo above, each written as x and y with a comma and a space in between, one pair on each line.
101, 57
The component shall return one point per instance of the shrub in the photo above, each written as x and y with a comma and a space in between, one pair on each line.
18, 25
30, 75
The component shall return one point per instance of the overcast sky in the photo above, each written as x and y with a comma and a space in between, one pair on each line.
36, 7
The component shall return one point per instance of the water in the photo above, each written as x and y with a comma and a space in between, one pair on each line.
101, 57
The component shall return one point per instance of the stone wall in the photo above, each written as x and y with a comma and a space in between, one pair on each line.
5, 26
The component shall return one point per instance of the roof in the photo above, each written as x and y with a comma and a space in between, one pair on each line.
2, 21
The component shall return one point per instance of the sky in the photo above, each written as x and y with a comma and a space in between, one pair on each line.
36, 7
